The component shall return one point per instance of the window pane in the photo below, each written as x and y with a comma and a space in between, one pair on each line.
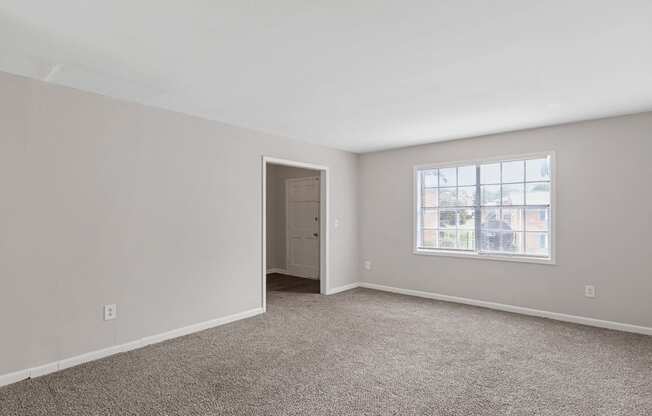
538, 193
511, 242
536, 219
490, 218
466, 240
512, 219
490, 194
466, 219
430, 218
448, 177
466, 196
430, 197
514, 171
501, 241
513, 194
490, 174
466, 175
489, 240
537, 243
538, 170
448, 219
447, 197
429, 178
428, 238
448, 239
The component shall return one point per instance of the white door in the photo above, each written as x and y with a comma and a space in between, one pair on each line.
302, 226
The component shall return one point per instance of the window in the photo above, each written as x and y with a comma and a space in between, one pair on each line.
495, 208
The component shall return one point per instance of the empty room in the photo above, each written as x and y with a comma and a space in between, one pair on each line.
325, 208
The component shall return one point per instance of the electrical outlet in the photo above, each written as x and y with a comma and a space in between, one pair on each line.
110, 312
367, 265
589, 291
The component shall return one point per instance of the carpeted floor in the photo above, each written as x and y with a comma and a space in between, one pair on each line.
360, 352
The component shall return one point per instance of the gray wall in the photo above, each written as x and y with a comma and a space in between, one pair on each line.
103, 201
604, 211
276, 176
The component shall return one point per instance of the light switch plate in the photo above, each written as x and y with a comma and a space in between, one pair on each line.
589, 291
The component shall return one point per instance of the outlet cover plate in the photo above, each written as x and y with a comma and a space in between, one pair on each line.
110, 312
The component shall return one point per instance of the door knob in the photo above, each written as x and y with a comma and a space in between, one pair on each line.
315, 234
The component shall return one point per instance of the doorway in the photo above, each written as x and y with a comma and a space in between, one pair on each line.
294, 226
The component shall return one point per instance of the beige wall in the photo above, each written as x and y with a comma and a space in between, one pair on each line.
604, 211
104, 201
276, 176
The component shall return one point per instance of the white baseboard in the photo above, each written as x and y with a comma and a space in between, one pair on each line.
43, 370
96, 355
276, 270
200, 326
90, 356
515, 309
342, 288
14, 377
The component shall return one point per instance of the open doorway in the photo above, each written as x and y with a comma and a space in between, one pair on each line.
294, 227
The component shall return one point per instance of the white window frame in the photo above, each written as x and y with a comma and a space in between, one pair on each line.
476, 254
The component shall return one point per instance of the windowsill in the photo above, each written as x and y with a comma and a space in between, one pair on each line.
493, 257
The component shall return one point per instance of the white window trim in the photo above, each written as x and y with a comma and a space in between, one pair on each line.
486, 256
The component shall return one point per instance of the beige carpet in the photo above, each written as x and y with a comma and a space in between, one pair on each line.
360, 352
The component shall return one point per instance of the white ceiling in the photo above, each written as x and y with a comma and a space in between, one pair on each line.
355, 75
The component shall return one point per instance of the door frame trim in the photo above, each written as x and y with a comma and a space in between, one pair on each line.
324, 213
